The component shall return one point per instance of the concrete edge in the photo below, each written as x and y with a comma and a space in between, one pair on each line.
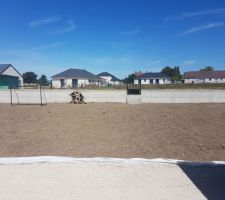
58, 159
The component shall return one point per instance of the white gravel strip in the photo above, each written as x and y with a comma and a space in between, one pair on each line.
58, 159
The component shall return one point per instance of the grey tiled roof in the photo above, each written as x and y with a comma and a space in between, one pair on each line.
108, 74
76, 73
152, 75
3, 67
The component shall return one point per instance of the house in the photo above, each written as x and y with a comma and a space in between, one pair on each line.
9, 76
152, 78
109, 78
204, 77
73, 78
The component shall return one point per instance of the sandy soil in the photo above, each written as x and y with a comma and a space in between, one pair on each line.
178, 131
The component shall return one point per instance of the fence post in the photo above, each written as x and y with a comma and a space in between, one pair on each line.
11, 94
41, 95
140, 87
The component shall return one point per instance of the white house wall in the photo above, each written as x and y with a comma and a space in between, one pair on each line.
82, 82
108, 80
68, 83
56, 83
147, 81
12, 72
213, 80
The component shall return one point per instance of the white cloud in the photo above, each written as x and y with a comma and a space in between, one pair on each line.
202, 27
187, 63
16, 52
154, 62
38, 23
219, 11
132, 32
69, 28
46, 46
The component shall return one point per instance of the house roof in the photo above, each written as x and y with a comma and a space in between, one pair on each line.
137, 74
152, 75
76, 73
204, 74
4, 67
108, 74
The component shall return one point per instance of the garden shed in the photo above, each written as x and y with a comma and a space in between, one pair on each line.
9, 76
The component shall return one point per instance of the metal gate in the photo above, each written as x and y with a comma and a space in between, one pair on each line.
133, 89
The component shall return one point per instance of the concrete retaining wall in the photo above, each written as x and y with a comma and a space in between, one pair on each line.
62, 96
119, 96
183, 96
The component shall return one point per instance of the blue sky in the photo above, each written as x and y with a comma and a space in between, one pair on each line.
117, 36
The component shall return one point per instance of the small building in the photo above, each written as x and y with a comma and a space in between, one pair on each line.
152, 78
9, 76
73, 78
204, 77
109, 79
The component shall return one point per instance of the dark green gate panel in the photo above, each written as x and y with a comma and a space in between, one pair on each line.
7, 81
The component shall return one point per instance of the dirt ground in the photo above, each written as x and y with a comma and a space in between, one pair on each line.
178, 131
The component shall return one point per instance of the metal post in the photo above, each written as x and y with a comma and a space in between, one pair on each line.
41, 95
11, 94
140, 87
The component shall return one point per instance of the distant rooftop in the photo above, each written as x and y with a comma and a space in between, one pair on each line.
137, 74
152, 75
75, 73
3, 67
204, 74
108, 74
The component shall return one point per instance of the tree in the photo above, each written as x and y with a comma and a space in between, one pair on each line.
43, 80
29, 77
129, 79
167, 71
208, 68
173, 73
